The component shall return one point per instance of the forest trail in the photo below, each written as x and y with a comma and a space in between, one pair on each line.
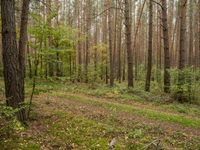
120, 118
80, 104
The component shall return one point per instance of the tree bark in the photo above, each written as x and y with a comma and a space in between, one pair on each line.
182, 48
127, 16
110, 44
87, 46
191, 34
49, 22
166, 47
22, 42
119, 46
150, 41
11, 70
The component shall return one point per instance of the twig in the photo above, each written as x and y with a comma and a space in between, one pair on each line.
112, 144
155, 142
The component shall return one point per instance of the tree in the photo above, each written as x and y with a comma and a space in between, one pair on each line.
110, 44
129, 42
22, 42
13, 82
119, 43
50, 40
182, 47
79, 3
150, 41
191, 34
87, 44
166, 47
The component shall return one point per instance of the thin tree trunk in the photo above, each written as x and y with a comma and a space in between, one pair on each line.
166, 48
110, 44
119, 46
79, 43
49, 22
182, 49
191, 34
88, 7
150, 41
129, 42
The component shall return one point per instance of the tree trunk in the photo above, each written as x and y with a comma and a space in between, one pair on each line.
150, 41
191, 35
127, 16
79, 43
199, 32
182, 40
119, 46
13, 82
22, 42
49, 22
88, 15
166, 48
110, 44
95, 43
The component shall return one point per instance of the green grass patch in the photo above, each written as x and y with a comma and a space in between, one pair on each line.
139, 111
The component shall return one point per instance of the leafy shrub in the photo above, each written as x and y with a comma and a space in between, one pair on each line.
188, 89
8, 122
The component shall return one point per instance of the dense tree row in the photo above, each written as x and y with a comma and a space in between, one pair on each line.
101, 41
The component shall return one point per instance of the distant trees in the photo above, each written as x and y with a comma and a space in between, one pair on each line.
108, 40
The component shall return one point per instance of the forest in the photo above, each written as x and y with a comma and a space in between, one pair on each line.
100, 74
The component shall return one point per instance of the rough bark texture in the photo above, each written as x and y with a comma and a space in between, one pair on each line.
182, 48
128, 43
22, 42
149, 64
110, 44
191, 35
13, 82
166, 48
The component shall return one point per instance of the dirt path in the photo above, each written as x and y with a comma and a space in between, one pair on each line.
50, 104
146, 105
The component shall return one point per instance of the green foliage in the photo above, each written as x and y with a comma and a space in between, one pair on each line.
188, 87
9, 125
63, 43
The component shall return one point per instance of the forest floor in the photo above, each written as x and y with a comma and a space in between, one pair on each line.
80, 116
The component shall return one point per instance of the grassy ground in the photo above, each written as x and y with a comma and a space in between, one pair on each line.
82, 117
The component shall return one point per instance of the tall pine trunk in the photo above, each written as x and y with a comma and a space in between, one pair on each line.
149, 63
110, 44
182, 49
166, 47
127, 16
